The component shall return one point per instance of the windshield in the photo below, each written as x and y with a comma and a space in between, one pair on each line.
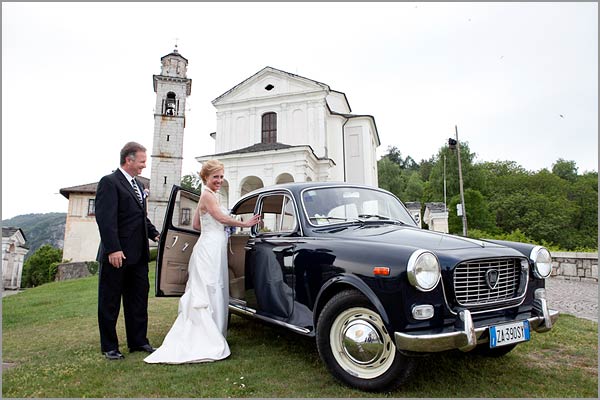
334, 205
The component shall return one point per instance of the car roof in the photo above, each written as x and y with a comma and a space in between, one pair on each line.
297, 187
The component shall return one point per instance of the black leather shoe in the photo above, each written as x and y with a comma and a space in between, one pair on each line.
147, 348
113, 355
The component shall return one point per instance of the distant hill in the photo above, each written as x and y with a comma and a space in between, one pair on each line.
40, 229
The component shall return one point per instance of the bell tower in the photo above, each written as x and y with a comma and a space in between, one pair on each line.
172, 88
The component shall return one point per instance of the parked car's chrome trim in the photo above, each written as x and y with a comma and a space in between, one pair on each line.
474, 312
247, 311
412, 273
498, 306
534, 257
467, 337
472, 267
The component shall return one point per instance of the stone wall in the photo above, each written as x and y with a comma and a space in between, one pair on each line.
575, 266
72, 271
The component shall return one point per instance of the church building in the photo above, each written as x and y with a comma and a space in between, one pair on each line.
277, 127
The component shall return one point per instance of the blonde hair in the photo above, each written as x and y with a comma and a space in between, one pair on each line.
209, 167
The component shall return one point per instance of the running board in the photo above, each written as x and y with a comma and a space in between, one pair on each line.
249, 312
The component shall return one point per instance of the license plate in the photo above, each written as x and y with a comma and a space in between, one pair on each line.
516, 332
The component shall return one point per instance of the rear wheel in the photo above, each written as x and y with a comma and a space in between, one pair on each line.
356, 347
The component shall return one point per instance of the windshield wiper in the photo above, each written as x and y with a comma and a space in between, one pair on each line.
372, 216
333, 219
381, 218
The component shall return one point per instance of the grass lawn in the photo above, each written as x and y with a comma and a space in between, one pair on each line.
50, 336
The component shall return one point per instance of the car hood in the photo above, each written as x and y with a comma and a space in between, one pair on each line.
408, 236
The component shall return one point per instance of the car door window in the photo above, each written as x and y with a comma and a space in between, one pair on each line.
278, 214
288, 216
243, 212
184, 209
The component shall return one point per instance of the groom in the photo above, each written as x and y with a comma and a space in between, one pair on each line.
123, 254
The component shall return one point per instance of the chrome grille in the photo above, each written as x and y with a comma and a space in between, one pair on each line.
471, 288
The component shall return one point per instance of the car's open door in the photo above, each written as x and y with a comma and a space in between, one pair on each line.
176, 243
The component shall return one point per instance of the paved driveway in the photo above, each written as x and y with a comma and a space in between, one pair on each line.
579, 298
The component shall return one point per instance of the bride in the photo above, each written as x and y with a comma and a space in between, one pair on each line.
198, 334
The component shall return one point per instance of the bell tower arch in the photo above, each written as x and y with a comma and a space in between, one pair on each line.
172, 87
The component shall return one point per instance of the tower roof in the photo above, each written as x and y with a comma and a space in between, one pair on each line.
175, 53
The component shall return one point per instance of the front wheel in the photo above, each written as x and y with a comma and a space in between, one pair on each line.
356, 347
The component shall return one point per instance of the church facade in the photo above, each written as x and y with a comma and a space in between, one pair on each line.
277, 127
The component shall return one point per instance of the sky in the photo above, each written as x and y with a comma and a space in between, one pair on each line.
518, 80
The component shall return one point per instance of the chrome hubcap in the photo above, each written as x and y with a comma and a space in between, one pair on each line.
361, 342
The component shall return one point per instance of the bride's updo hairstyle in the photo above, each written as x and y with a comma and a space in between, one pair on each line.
210, 167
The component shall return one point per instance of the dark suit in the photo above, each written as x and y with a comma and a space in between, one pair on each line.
123, 226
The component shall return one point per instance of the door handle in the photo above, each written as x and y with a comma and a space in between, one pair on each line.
175, 239
185, 246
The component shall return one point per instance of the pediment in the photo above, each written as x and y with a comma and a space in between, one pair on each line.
269, 82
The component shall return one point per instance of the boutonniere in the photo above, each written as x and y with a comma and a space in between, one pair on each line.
145, 193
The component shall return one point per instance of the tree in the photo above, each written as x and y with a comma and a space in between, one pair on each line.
394, 156
414, 188
425, 167
390, 177
37, 268
558, 207
192, 182
478, 214
472, 177
583, 193
566, 170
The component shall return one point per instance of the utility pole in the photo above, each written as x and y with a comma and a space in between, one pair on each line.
452, 144
445, 203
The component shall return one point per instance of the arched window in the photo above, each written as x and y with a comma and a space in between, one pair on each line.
170, 106
269, 128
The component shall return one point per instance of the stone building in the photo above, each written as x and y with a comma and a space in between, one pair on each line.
278, 127
414, 208
14, 249
81, 231
436, 217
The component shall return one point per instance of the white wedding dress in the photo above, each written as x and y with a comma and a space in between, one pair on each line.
198, 334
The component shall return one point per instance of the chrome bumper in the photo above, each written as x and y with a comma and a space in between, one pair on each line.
467, 336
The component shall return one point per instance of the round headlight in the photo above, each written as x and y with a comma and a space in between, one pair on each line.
542, 261
423, 270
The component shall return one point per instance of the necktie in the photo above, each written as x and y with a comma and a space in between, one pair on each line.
136, 190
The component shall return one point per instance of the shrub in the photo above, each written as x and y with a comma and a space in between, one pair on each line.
514, 236
92, 267
38, 268
52, 270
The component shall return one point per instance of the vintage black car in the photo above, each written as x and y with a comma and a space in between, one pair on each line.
349, 266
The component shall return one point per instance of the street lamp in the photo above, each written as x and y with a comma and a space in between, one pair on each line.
454, 144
